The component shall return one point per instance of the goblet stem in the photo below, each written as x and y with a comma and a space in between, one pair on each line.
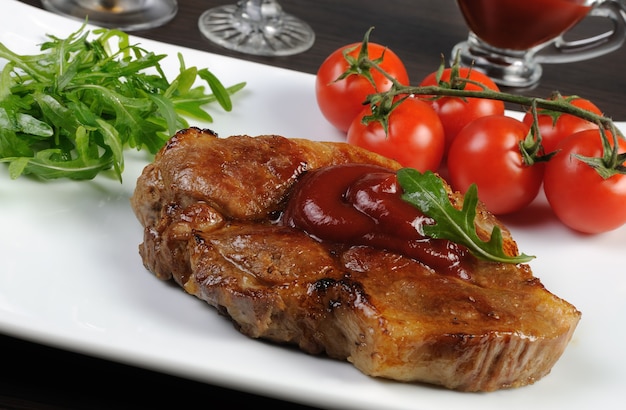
258, 27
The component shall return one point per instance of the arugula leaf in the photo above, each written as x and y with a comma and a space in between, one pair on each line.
426, 191
71, 110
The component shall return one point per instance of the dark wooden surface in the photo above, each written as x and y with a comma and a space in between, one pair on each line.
40, 377
419, 31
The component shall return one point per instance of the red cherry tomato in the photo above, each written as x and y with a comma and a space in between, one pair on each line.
486, 152
456, 112
555, 126
340, 101
415, 137
578, 195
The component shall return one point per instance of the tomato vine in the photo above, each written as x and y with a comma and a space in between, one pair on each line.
610, 163
607, 162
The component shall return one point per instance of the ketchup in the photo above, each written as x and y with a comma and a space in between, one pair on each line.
521, 24
360, 204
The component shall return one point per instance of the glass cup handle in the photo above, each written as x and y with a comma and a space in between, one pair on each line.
562, 51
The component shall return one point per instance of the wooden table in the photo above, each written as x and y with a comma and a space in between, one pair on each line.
419, 31
41, 377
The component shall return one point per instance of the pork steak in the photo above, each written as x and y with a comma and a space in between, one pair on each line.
208, 206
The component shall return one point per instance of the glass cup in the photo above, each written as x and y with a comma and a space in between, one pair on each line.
509, 39
127, 15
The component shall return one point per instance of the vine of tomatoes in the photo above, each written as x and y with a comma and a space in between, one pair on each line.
585, 182
455, 112
422, 142
487, 153
563, 143
554, 126
345, 79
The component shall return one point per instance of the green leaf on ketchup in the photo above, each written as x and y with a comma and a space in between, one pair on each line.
426, 191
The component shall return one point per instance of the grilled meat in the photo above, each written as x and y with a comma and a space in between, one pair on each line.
209, 207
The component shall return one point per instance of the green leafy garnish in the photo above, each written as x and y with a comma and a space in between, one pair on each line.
72, 110
426, 191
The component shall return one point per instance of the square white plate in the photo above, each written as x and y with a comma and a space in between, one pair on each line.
71, 276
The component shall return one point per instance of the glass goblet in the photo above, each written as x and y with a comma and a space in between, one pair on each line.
258, 27
126, 15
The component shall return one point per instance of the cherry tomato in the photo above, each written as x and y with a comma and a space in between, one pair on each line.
415, 138
486, 152
555, 126
578, 195
340, 101
456, 112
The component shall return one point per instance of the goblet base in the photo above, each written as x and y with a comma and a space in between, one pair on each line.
281, 35
125, 15
504, 67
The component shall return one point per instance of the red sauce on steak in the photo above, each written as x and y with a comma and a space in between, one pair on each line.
359, 204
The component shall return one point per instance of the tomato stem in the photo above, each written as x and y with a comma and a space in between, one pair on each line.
610, 163
382, 103
533, 102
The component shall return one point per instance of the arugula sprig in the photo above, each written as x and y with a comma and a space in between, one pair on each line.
427, 192
71, 110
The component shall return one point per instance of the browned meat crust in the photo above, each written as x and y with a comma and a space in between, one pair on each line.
207, 206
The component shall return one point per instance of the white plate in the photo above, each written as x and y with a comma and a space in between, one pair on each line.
71, 275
